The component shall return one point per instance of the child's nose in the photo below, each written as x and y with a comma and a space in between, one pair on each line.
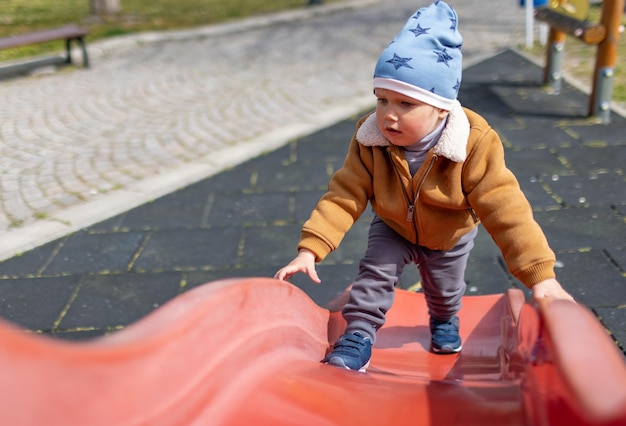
390, 114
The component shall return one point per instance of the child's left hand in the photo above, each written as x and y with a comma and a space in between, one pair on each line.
551, 289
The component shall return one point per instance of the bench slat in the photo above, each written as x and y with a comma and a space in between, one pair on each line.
63, 33
68, 33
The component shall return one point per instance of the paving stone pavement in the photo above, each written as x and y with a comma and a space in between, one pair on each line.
191, 157
158, 111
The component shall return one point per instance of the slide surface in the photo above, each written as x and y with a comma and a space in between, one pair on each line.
247, 351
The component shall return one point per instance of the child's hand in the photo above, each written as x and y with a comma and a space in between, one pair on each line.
304, 262
551, 289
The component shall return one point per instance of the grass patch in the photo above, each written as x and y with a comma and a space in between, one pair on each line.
22, 16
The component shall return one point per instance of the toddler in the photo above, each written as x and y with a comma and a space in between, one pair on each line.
431, 171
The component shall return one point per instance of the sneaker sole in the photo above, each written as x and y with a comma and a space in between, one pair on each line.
338, 362
446, 350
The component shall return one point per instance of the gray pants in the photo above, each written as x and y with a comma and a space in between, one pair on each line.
442, 274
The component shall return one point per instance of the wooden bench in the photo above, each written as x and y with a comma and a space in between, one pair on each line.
68, 33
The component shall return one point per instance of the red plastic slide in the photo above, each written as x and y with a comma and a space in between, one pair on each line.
247, 351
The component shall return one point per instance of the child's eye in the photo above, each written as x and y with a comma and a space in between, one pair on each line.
382, 101
407, 104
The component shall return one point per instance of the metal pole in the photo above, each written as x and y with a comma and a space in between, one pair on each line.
606, 59
530, 19
552, 73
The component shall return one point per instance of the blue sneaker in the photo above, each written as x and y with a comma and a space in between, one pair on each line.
351, 351
445, 336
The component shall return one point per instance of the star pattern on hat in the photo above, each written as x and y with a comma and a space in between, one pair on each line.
418, 31
430, 37
442, 56
453, 23
399, 62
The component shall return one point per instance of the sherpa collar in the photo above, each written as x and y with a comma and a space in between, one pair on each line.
452, 144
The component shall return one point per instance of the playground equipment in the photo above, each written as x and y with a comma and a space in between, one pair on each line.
570, 17
247, 351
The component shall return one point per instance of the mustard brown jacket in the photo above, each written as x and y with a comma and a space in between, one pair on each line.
462, 182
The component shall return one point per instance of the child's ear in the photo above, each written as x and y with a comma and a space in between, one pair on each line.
443, 113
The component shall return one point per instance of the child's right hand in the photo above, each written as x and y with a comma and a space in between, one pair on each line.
304, 262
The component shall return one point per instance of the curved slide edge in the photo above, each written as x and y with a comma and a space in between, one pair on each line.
249, 349
188, 360
578, 372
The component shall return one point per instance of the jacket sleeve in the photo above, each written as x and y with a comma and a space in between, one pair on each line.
349, 191
496, 197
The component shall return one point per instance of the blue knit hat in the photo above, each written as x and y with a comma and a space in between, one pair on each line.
424, 60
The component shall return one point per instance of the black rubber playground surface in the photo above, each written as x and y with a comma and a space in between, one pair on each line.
245, 221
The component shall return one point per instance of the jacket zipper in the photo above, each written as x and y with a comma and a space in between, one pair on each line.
419, 188
430, 167
410, 214
411, 209
474, 216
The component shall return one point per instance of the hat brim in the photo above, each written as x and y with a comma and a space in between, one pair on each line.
414, 92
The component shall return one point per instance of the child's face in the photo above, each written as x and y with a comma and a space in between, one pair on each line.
403, 120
